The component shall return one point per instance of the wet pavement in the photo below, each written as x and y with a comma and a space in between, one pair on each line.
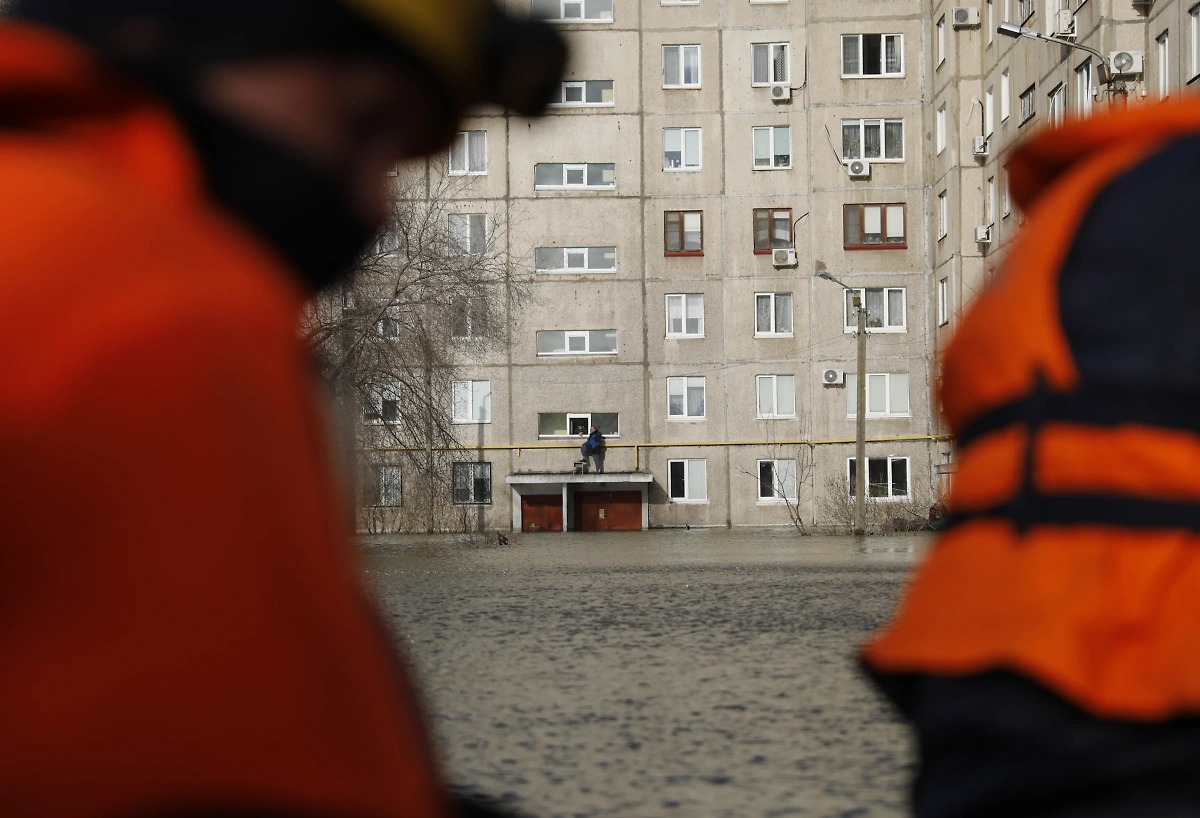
664, 673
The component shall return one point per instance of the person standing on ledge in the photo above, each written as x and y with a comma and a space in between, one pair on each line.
182, 628
593, 448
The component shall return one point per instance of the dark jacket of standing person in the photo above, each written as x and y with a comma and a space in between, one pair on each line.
182, 629
595, 441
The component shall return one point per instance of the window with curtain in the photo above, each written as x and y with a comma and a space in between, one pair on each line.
772, 147
472, 401
887, 395
683, 232
770, 63
468, 233
685, 398
681, 149
872, 55
885, 309
685, 315
468, 154
874, 226
875, 139
681, 66
472, 483
772, 314
776, 396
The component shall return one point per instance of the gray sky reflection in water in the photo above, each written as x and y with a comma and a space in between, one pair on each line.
663, 673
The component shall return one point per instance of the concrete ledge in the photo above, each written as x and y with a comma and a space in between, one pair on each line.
543, 478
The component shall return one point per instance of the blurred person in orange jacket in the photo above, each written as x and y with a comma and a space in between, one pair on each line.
1048, 650
182, 630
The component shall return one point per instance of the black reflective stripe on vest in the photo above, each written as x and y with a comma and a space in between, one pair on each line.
1116, 511
1094, 405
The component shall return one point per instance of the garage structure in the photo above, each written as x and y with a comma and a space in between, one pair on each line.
554, 501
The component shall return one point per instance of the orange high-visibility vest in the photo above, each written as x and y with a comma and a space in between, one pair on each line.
181, 622
1073, 556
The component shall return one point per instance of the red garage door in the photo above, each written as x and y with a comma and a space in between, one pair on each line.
608, 511
542, 512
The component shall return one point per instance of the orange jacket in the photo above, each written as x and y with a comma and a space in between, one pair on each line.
1073, 385
181, 622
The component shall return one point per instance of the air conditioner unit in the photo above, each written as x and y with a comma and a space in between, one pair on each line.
983, 234
1125, 63
964, 16
980, 146
784, 257
858, 168
1063, 23
781, 92
833, 377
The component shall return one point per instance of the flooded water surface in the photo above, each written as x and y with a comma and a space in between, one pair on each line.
663, 673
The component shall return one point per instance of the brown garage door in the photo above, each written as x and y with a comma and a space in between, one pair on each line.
541, 512
608, 511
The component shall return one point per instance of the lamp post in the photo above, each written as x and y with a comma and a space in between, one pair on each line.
1015, 31
860, 415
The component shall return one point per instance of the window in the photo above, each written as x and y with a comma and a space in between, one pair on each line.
685, 315
679, 2
1007, 10
573, 424
472, 484
1056, 105
990, 23
776, 480
1024, 10
943, 302
1028, 104
943, 215
772, 147
468, 317
383, 488
683, 233
872, 55
887, 478
573, 11
874, 226
771, 63
583, 93
1005, 97
472, 401
885, 309
941, 41
381, 405
941, 129
1007, 196
989, 102
681, 149
685, 398
991, 200
776, 396
388, 242
468, 233
878, 139
687, 481
556, 176
887, 395
388, 325
577, 342
1194, 28
772, 229
468, 154
681, 66
1083, 88
575, 259
1164, 65
772, 315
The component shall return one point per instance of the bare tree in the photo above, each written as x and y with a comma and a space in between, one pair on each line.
433, 295
837, 506
791, 467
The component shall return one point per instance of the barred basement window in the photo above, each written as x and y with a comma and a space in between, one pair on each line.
472, 484
385, 490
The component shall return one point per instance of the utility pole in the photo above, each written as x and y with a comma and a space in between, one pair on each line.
860, 436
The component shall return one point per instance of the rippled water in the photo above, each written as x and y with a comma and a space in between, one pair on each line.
662, 673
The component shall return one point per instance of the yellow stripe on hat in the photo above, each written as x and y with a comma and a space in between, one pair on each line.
443, 32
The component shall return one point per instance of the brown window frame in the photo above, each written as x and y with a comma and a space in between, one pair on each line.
682, 253
882, 245
771, 211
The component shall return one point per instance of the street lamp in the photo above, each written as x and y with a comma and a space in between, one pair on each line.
860, 424
1016, 32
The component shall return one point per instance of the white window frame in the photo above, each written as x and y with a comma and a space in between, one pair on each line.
577, 334
1083, 88
457, 388
989, 112
1163, 51
890, 498
375, 402
679, 2
462, 146
873, 379
778, 487
989, 21
772, 131
943, 214
941, 41
943, 305
883, 72
787, 64
688, 382
991, 200
774, 381
940, 129
470, 250
1194, 30
586, 417
851, 318
684, 167
773, 333
1005, 96
1056, 103
1007, 11
1007, 194
582, 85
562, 19
690, 491
681, 49
1028, 101
468, 303
684, 300
586, 252
568, 167
1024, 10
862, 140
